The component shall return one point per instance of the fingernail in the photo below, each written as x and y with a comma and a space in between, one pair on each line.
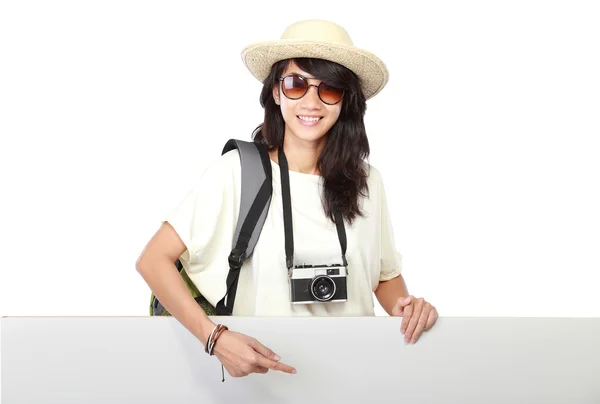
294, 371
276, 357
413, 341
405, 340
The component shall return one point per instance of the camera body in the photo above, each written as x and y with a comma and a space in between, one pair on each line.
318, 284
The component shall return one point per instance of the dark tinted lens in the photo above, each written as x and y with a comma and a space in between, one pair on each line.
294, 86
329, 94
323, 288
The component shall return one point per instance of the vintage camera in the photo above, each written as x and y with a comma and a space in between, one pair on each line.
318, 283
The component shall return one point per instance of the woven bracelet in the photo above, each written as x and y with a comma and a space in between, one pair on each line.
215, 337
210, 337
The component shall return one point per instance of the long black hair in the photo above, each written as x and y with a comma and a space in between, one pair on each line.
341, 163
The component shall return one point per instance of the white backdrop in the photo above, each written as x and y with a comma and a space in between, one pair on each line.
487, 137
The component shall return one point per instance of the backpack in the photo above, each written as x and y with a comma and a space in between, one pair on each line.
254, 204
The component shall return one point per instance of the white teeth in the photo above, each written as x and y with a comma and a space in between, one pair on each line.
309, 118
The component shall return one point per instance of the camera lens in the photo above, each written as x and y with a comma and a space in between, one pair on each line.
322, 288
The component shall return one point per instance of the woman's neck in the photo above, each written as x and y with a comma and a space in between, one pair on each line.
302, 156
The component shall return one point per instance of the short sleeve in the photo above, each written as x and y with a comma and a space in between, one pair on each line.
391, 259
205, 218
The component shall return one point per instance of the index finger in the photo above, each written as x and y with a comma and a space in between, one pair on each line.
275, 365
408, 312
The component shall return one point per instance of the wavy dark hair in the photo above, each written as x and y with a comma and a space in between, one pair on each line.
341, 163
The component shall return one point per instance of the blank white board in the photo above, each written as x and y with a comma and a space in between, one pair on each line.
339, 360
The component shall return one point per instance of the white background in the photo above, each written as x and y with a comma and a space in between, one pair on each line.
487, 137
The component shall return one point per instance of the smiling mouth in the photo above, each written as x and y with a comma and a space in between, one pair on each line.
309, 119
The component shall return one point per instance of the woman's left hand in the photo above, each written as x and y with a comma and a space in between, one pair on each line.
418, 316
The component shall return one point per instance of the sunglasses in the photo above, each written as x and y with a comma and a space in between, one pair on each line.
295, 87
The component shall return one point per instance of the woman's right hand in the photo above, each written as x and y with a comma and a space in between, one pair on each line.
242, 355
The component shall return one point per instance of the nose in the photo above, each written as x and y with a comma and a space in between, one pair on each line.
311, 99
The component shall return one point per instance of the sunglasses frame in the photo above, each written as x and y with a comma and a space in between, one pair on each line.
308, 86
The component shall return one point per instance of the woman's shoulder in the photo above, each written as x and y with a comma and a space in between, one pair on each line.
218, 173
231, 159
374, 177
223, 165
375, 184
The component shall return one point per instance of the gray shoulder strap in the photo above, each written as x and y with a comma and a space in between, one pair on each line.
255, 194
255, 199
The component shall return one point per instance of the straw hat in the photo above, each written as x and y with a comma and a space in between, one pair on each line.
318, 39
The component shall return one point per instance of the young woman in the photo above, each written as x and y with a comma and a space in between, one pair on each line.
316, 84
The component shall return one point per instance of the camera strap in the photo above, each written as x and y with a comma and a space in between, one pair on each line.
287, 216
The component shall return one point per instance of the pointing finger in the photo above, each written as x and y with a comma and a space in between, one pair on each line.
263, 350
279, 366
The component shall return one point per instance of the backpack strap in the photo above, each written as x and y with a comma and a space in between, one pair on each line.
255, 199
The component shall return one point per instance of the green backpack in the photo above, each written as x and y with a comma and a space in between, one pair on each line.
254, 204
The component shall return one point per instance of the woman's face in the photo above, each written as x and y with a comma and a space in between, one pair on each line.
308, 118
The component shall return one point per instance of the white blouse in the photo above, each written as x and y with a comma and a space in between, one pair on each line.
206, 220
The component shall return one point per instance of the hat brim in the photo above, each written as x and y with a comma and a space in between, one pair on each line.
371, 71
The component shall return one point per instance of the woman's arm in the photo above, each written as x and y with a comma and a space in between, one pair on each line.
156, 265
239, 353
388, 293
